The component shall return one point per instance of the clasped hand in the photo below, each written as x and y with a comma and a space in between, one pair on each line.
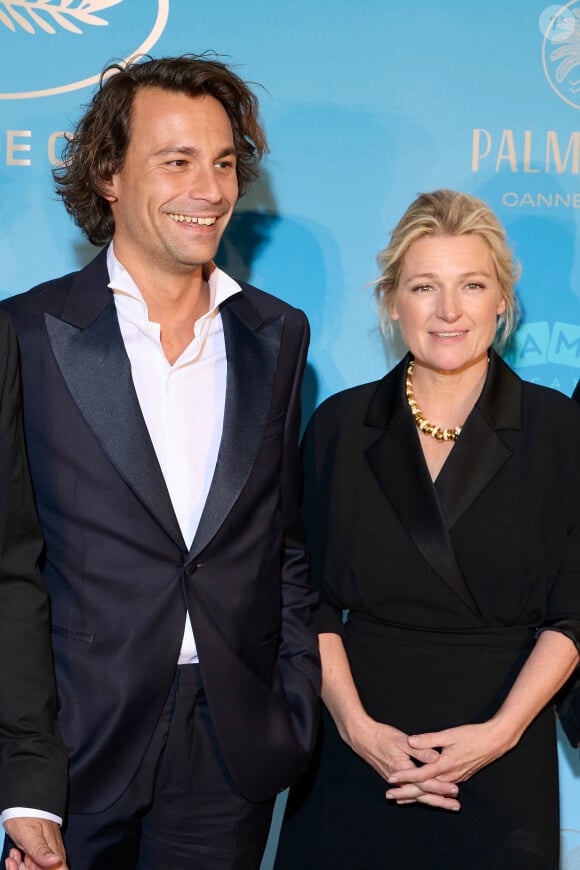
461, 752
388, 751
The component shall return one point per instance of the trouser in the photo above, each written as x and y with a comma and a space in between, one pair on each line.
182, 810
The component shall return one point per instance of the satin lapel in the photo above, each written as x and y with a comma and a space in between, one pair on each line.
480, 453
95, 366
398, 463
252, 350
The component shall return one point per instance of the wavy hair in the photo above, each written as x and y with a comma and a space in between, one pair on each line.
96, 150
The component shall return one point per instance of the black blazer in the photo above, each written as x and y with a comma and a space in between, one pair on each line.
119, 574
494, 543
33, 768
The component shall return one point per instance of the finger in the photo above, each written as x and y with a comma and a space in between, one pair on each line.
406, 794
425, 756
420, 774
14, 860
429, 740
434, 786
440, 786
413, 794
443, 803
431, 786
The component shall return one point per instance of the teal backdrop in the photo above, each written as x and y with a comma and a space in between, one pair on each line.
365, 104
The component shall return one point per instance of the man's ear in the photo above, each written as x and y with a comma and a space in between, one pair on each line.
107, 189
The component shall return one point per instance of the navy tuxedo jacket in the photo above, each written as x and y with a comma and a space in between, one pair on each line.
119, 574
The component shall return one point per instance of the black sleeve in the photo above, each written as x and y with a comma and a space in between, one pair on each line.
33, 767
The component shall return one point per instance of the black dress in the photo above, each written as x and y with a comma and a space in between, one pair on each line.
445, 585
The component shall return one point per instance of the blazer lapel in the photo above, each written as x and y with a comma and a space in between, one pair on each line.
252, 350
479, 453
89, 350
398, 463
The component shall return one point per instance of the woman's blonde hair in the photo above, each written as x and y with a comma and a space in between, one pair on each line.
447, 212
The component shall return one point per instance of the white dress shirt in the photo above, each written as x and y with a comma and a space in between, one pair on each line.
183, 404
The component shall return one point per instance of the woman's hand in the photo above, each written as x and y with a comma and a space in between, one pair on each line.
462, 752
384, 748
387, 750
467, 748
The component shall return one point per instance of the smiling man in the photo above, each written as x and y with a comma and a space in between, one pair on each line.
162, 409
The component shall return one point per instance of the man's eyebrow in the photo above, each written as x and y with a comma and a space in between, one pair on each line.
190, 151
177, 149
230, 151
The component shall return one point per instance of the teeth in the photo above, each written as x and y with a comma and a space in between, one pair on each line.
188, 219
447, 334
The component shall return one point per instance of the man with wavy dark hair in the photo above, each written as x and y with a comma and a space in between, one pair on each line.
162, 405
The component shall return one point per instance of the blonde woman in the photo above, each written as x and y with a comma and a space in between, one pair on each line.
443, 512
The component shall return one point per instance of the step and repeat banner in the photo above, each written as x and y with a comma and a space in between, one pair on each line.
365, 105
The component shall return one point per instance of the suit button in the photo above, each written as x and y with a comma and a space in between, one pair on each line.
191, 568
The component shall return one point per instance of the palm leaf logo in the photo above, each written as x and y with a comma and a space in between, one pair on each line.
50, 14
568, 52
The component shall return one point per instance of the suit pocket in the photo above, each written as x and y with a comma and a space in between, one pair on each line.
275, 426
72, 634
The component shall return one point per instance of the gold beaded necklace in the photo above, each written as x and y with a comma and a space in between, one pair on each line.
422, 424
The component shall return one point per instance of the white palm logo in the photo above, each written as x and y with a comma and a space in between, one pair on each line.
49, 14
568, 53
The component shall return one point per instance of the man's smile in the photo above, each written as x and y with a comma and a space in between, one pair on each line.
190, 219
